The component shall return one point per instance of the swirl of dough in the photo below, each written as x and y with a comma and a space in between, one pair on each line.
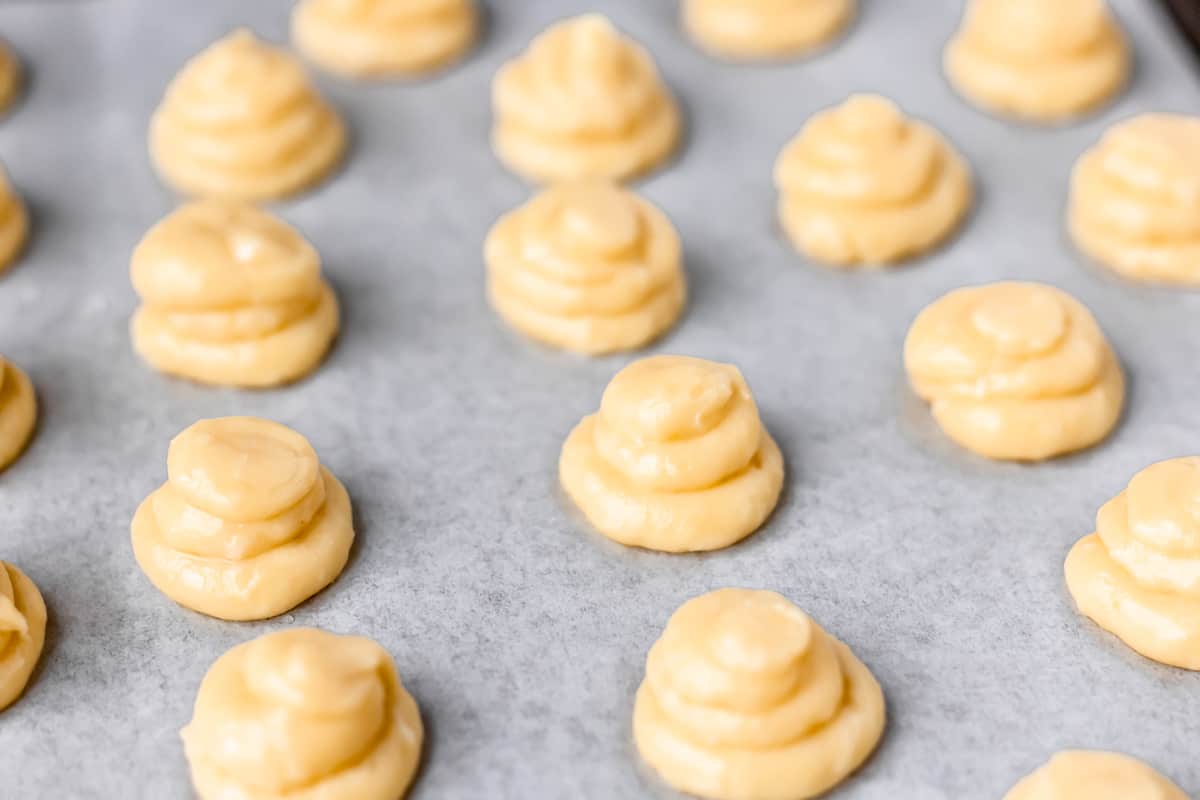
242, 121
1138, 575
18, 411
756, 29
746, 697
676, 459
1094, 775
11, 76
1135, 199
583, 102
22, 632
862, 184
303, 714
1039, 61
248, 524
586, 267
14, 223
384, 38
1015, 371
231, 296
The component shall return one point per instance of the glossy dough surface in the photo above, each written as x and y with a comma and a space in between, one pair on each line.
248, 524
586, 267
14, 223
746, 698
18, 411
1016, 371
302, 714
676, 459
581, 102
1094, 775
863, 184
242, 121
22, 632
1037, 60
753, 29
1135, 199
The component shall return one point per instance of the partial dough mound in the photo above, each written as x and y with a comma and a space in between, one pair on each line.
757, 29
22, 632
1094, 775
11, 76
18, 412
14, 223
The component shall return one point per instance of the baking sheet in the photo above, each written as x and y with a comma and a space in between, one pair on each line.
522, 634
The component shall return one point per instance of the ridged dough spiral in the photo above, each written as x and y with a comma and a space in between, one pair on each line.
586, 267
863, 184
1094, 775
14, 223
746, 698
22, 632
18, 411
763, 29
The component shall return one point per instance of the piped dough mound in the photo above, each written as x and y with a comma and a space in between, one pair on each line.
18, 411
1138, 575
676, 459
583, 102
1015, 371
746, 698
11, 76
231, 296
248, 525
586, 267
242, 121
384, 38
22, 632
863, 184
1037, 60
303, 714
764, 29
14, 223
1094, 775
1135, 199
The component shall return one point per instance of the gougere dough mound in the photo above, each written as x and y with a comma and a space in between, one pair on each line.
231, 296
676, 459
22, 632
384, 38
1094, 775
863, 184
10, 76
587, 267
242, 121
18, 411
1138, 575
248, 524
303, 714
1037, 59
1017, 371
583, 102
14, 223
746, 698
1135, 199
750, 29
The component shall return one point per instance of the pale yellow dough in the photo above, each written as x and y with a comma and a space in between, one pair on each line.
1138, 575
1015, 371
22, 632
303, 714
11, 77
243, 121
746, 698
1094, 775
384, 38
583, 102
1038, 60
18, 411
863, 184
755, 29
1135, 199
230, 296
14, 223
676, 459
248, 524
587, 267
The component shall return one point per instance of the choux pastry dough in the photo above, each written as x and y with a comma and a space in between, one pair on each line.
1094, 775
587, 267
754, 29
18, 411
248, 525
583, 102
1135, 199
1015, 371
863, 184
1138, 575
1036, 60
676, 459
384, 38
242, 121
230, 296
11, 76
14, 223
746, 698
22, 632
303, 714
